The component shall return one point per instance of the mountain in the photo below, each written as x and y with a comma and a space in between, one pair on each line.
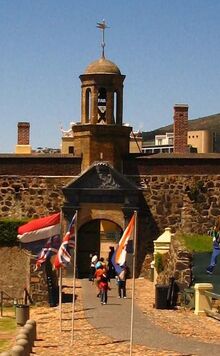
211, 123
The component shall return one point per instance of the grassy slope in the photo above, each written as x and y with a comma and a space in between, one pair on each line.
7, 332
197, 243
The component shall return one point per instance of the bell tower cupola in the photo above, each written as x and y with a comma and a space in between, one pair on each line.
101, 134
102, 90
102, 93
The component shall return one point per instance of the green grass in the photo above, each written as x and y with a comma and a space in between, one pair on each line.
4, 344
7, 331
7, 324
196, 243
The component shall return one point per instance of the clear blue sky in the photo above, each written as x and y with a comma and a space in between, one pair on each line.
168, 49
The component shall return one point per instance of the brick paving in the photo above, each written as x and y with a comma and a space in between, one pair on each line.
89, 340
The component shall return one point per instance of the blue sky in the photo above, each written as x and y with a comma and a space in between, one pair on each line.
168, 49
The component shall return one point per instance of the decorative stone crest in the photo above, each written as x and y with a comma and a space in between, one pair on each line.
106, 178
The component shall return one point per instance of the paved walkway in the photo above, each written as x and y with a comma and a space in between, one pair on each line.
113, 320
201, 261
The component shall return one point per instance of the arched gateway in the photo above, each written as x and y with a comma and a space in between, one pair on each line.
105, 201
96, 236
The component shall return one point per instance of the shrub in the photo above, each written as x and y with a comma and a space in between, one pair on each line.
8, 231
159, 262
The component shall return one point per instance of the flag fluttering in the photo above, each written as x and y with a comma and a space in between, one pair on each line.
63, 256
39, 229
51, 248
119, 257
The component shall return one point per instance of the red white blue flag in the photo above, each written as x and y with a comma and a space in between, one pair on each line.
51, 248
63, 256
39, 229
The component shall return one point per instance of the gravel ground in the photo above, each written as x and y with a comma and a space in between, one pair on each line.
87, 340
181, 321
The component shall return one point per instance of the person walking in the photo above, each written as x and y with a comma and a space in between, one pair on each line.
111, 268
97, 277
215, 234
122, 276
104, 287
94, 260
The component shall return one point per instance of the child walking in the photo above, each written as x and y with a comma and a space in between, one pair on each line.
104, 287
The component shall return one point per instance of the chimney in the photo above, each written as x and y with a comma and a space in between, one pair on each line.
180, 128
23, 143
23, 133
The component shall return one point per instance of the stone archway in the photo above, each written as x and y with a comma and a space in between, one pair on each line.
100, 194
95, 236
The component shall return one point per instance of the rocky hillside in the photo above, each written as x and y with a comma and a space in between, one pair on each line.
211, 122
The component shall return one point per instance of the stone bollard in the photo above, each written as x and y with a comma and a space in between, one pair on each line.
26, 332
25, 344
30, 330
201, 300
33, 322
17, 350
5, 353
22, 336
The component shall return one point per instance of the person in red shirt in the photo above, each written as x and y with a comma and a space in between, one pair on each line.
104, 287
97, 277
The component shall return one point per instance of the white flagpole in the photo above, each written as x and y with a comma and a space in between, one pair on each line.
74, 278
60, 274
60, 297
133, 281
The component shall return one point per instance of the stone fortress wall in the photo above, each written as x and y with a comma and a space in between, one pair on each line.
192, 202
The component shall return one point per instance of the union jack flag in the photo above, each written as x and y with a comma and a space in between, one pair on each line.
63, 256
50, 248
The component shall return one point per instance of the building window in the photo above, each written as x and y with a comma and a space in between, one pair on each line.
71, 149
170, 141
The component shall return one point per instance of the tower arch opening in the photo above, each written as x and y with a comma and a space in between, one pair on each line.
88, 105
102, 103
115, 106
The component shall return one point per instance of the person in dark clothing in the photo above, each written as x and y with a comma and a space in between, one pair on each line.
122, 276
111, 268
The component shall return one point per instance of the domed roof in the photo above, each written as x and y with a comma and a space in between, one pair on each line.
102, 66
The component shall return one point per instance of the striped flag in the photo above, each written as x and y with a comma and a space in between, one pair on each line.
51, 248
39, 229
119, 257
63, 256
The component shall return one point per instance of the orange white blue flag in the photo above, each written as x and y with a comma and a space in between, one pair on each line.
121, 251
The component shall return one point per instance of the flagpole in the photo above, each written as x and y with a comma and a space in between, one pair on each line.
74, 278
60, 296
133, 282
60, 274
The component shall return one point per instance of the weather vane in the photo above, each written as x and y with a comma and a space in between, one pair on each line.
102, 25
